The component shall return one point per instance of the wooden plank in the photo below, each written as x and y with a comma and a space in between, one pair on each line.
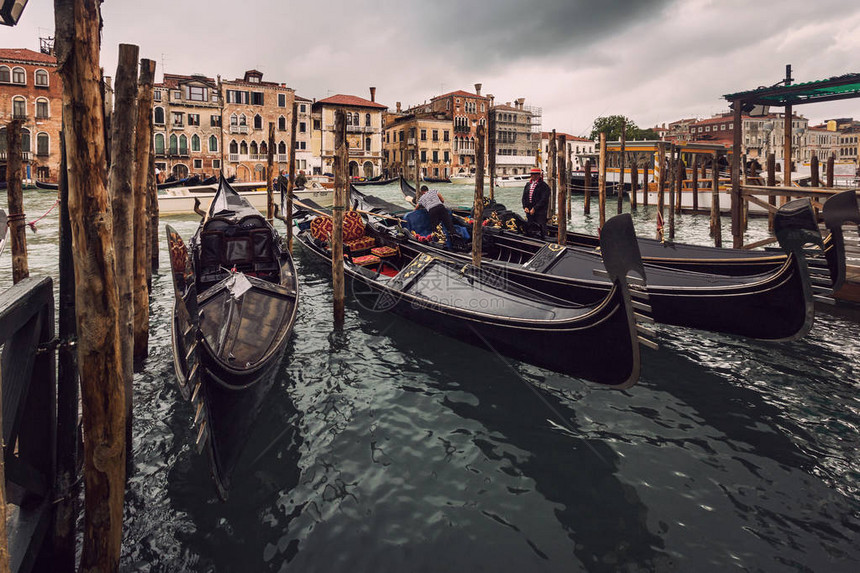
763, 242
760, 203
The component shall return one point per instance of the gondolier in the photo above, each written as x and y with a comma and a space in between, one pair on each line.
536, 200
431, 200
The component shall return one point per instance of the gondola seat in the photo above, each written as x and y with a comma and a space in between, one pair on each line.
360, 245
366, 260
384, 251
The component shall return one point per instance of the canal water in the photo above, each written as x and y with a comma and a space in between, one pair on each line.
390, 447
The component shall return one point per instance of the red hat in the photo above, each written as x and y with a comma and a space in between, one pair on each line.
535, 170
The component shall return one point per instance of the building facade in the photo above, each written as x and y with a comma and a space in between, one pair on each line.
31, 90
575, 147
466, 111
363, 133
516, 133
305, 159
424, 132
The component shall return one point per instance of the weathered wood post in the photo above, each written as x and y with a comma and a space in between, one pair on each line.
562, 194
270, 170
15, 198
675, 170
121, 191
153, 216
66, 513
552, 158
736, 196
663, 176
478, 203
78, 24
645, 184
814, 170
341, 181
417, 164
695, 183
586, 205
491, 151
786, 164
601, 181
291, 182
771, 182
622, 165
681, 170
634, 180
831, 161
716, 226
142, 235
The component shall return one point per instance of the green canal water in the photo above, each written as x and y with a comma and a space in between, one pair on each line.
389, 447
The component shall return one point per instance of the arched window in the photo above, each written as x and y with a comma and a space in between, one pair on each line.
367, 119
158, 117
243, 120
367, 144
264, 148
253, 148
42, 110
19, 108
213, 143
159, 144
282, 123
5, 74
282, 147
348, 118
243, 148
195, 142
234, 119
258, 121
174, 144
183, 145
42, 144
234, 147
19, 76
41, 78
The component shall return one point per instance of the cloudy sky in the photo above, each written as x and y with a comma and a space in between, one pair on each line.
652, 60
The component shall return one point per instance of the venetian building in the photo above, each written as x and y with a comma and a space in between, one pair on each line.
31, 90
418, 133
516, 131
466, 111
363, 132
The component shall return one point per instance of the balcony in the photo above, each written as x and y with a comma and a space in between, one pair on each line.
410, 141
464, 152
462, 129
283, 157
25, 156
19, 115
233, 158
359, 129
177, 126
239, 129
410, 163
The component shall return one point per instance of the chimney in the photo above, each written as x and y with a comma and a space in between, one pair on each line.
492, 99
373, 94
398, 107
520, 102
478, 89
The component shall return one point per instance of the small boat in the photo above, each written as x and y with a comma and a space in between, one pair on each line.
47, 186
236, 295
513, 180
375, 181
598, 341
435, 179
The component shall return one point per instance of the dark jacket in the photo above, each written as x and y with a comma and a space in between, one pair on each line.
540, 198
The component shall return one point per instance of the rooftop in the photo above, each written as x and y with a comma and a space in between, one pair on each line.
24, 55
341, 99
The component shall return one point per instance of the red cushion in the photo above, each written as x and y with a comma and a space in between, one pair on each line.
353, 226
361, 244
366, 260
321, 228
385, 251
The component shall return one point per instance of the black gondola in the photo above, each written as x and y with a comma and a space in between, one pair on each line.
482, 308
236, 296
46, 185
773, 305
375, 181
436, 179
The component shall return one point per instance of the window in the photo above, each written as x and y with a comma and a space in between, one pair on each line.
177, 118
183, 145
215, 120
156, 95
195, 142
243, 148
303, 127
423, 135
214, 97
282, 148
41, 78
174, 144
19, 108
216, 164
423, 155
303, 108
25, 140
243, 120
234, 119
5, 75
159, 144
435, 135
198, 164
282, 100
42, 144
176, 95
41, 108
193, 119
237, 96
195, 93
445, 136
348, 118
253, 148
367, 120
213, 143
447, 157
317, 124
234, 147
258, 121
19, 76
256, 98
435, 156
282, 123
367, 143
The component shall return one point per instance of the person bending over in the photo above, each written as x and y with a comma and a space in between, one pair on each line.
433, 202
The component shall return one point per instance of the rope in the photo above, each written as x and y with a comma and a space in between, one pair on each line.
32, 223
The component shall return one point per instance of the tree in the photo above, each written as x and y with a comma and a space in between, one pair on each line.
611, 126
647, 134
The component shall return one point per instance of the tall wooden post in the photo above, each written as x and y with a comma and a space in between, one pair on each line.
417, 164
695, 183
634, 180
787, 145
552, 156
562, 194
681, 170
491, 152
122, 206
78, 24
716, 226
291, 182
15, 198
341, 182
270, 171
142, 234
478, 203
622, 165
586, 205
771, 182
601, 181
830, 165
737, 198
675, 168
645, 184
663, 176
814, 170
152, 221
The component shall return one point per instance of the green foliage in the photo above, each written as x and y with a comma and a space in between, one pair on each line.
611, 125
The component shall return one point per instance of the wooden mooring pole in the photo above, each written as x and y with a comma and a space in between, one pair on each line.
622, 164
673, 185
15, 198
771, 182
586, 204
478, 203
831, 161
121, 191
77, 28
663, 176
562, 193
716, 226
270, 175
634, 180
601, 181
645, 184
814, 170
786, 146
491, 152
695, 183
291, 181
552, 155
736, 197
341, 181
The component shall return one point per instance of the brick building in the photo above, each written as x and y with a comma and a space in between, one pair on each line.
31, 90
363, 132
466, 111
418, 129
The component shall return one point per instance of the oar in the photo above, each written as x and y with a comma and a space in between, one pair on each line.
4, 227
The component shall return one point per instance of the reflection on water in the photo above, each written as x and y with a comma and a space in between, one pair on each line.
389, 447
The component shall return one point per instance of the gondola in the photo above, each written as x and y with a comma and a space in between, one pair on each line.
170, 182
235, 304
376, 181
46, 185
436, 180
483, 309
773, 305
209, 180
